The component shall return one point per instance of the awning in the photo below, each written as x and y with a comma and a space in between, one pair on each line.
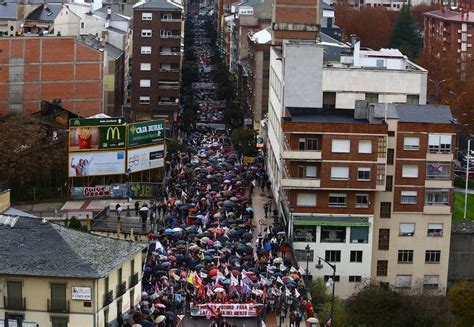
331, 221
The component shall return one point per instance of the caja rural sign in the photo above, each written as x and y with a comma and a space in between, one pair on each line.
146, 132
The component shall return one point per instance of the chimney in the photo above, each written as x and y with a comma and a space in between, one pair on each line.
355, 41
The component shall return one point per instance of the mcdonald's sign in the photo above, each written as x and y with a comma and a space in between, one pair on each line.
112, 137
113, 133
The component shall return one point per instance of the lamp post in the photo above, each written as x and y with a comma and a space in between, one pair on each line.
437, 84
319, 266
308, 255
467, 176
290, 224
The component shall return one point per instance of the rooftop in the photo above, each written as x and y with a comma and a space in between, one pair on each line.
453, 16
8, 10
158, 4
36, 248
463, 227
412, 113
45, 13
323, 115
262, 37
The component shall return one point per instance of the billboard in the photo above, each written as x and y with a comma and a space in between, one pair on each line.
145, 133
77, 122
96, 138
146, 158
96, 163
115, 191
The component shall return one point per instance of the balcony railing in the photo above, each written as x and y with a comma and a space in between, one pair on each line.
171, 20
161, 103
169, 53
167, 87
58, 306
133, 280
108, 298
169, 70
14, 303
121, 288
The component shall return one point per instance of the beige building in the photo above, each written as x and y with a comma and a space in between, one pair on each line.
55, 276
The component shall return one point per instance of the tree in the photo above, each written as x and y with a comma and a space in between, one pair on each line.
243, 141
189, 74
189, 115
234, 115
74, 223
461, 303
322, 304
406, 35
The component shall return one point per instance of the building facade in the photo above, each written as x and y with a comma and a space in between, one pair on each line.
157, 57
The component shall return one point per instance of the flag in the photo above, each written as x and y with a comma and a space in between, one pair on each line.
226, 271
280, 281
209, 292
301, 271
297, 294
293, 269
264, 280
244, 272
158, 247
233, 281
203, 275
191, 277
197, 280
287, 292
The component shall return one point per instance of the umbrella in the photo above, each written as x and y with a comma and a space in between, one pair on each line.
219, 290
160, 319
169, 231
160, 305
144, 209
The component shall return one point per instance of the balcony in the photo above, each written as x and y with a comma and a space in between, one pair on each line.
108, 298
14, 303
168, 87
133, 280
162, 103
437, 210
168, 70
438, 183
301, 155
170, 53
121, 288
171, 36
301, 183
439, 156
58, 306
171, 20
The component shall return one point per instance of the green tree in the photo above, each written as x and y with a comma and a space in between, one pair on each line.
74, 223
189, 116
189, 74
243, 141
234, 115
406, 35
321, 300
461, 303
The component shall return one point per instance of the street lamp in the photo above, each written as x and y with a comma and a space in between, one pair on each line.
319, 266
437, 84
467, 176
290, 223
308, 255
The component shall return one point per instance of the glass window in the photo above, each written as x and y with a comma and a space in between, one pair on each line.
333, 256
301, 143
312, 144
337, 278
333, 234
408, 197
413, 99
365, 146
362, 200
145, 50
385, 209
438, 170
144, 100
384, 239
432, 256
355, 279
147, 16
403, 281
58, 297
405, 256
341, 146
146, 33
145, 83
306, 199
407, 229
411, 143
439, 143
356, 256
435, 229
340, 173
59, 322
337, 200
359, 234
372, 97
15, 295
431, 281
389, 183
304, 233
363, 173
410, 171
311, 171
300, 255
382, 267
144, 66
435, 197
390, 156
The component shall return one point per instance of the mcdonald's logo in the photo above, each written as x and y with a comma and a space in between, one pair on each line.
112, 132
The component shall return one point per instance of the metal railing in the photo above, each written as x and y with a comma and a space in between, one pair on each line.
58, 306
121, 288
14, 303
108, 298
133, 280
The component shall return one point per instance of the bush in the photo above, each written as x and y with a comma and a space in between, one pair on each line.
74, 223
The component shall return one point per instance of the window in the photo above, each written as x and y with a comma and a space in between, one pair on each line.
337, 200
413, 99
146, 33
58, 297
410, 171
15, 295
145, 66
389, 183
82, 24
438, 170
384, 239
300, 255
431, 281
312, 144
403, 281
359, 234
144, 99
432, 256
407, 229
333, 234
390, 156
333, 256
145, 83
147, 16
355, 279
165, 33
145, 50
382, 267
363, 174
405, 256
341, 146
362, 200
385, 209
435, 229
356, 256
365, 146
439, 143
391, 133
329, 99
307, 171
266, 55
372, 97
337, 278
306, 199
340, 173
411, 143
304, 233
59, 321
408, 197
301, 144
435, 197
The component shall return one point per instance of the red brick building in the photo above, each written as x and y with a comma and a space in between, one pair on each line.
157, 54
33, 69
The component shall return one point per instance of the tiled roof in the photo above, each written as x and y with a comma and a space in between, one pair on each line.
46, 12
412, 113
158, 4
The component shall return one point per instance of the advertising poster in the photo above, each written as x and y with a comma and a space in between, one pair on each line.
81, 293
146, 158
96, 138
227, 310
96, 163
115, 191
146, 133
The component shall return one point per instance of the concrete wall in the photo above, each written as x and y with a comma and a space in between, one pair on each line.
4, 200
67, 23
461, 259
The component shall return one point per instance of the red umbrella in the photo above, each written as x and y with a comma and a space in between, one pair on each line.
213, 272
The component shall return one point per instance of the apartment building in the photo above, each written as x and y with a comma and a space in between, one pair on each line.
328, 159
55, 276
448, 34
157, 56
